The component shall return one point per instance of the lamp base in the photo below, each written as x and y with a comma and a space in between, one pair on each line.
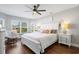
65, 32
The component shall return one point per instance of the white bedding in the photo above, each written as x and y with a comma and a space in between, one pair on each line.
38, 41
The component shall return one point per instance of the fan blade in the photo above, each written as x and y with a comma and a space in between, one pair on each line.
41, 10
29, 7
37, 6
27, 11
38, 13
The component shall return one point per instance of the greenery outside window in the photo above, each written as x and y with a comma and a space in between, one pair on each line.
19, 26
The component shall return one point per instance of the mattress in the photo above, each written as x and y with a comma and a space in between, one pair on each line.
37, 35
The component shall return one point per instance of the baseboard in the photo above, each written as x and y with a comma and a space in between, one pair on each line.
75, 45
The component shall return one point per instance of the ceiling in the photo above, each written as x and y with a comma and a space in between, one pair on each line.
18, 9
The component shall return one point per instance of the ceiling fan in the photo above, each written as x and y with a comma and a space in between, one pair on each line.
35, 9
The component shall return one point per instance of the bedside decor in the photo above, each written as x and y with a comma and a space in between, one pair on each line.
65, 35
65, 27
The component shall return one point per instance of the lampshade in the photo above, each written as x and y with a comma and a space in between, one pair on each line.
65, 25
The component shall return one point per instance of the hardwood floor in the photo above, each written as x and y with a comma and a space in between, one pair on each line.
56, 48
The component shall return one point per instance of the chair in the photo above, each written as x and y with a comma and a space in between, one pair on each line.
11, 37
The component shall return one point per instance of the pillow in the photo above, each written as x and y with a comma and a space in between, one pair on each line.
39, 30
53, 31
46, 31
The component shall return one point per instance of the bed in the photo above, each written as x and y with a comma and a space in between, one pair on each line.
38, 41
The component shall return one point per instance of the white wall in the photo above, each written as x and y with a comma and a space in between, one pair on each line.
71, 15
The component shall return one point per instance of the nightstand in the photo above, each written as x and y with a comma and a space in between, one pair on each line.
65, 39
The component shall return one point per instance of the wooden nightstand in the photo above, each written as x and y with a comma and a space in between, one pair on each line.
65, 39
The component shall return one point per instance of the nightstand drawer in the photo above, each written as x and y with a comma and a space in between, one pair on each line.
68, 41
62, 39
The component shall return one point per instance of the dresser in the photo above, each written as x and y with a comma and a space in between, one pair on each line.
2, 42
65, 39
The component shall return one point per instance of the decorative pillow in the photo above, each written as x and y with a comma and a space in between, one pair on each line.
46, 31
53, 31
40, 30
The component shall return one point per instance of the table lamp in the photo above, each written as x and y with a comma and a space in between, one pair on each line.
65, 27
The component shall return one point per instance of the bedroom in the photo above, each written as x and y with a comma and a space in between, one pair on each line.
57, 27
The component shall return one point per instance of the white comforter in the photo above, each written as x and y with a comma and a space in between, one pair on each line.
44, 40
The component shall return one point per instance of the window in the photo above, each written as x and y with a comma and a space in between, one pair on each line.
23, 27
19, 26
16, 25
2, 22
